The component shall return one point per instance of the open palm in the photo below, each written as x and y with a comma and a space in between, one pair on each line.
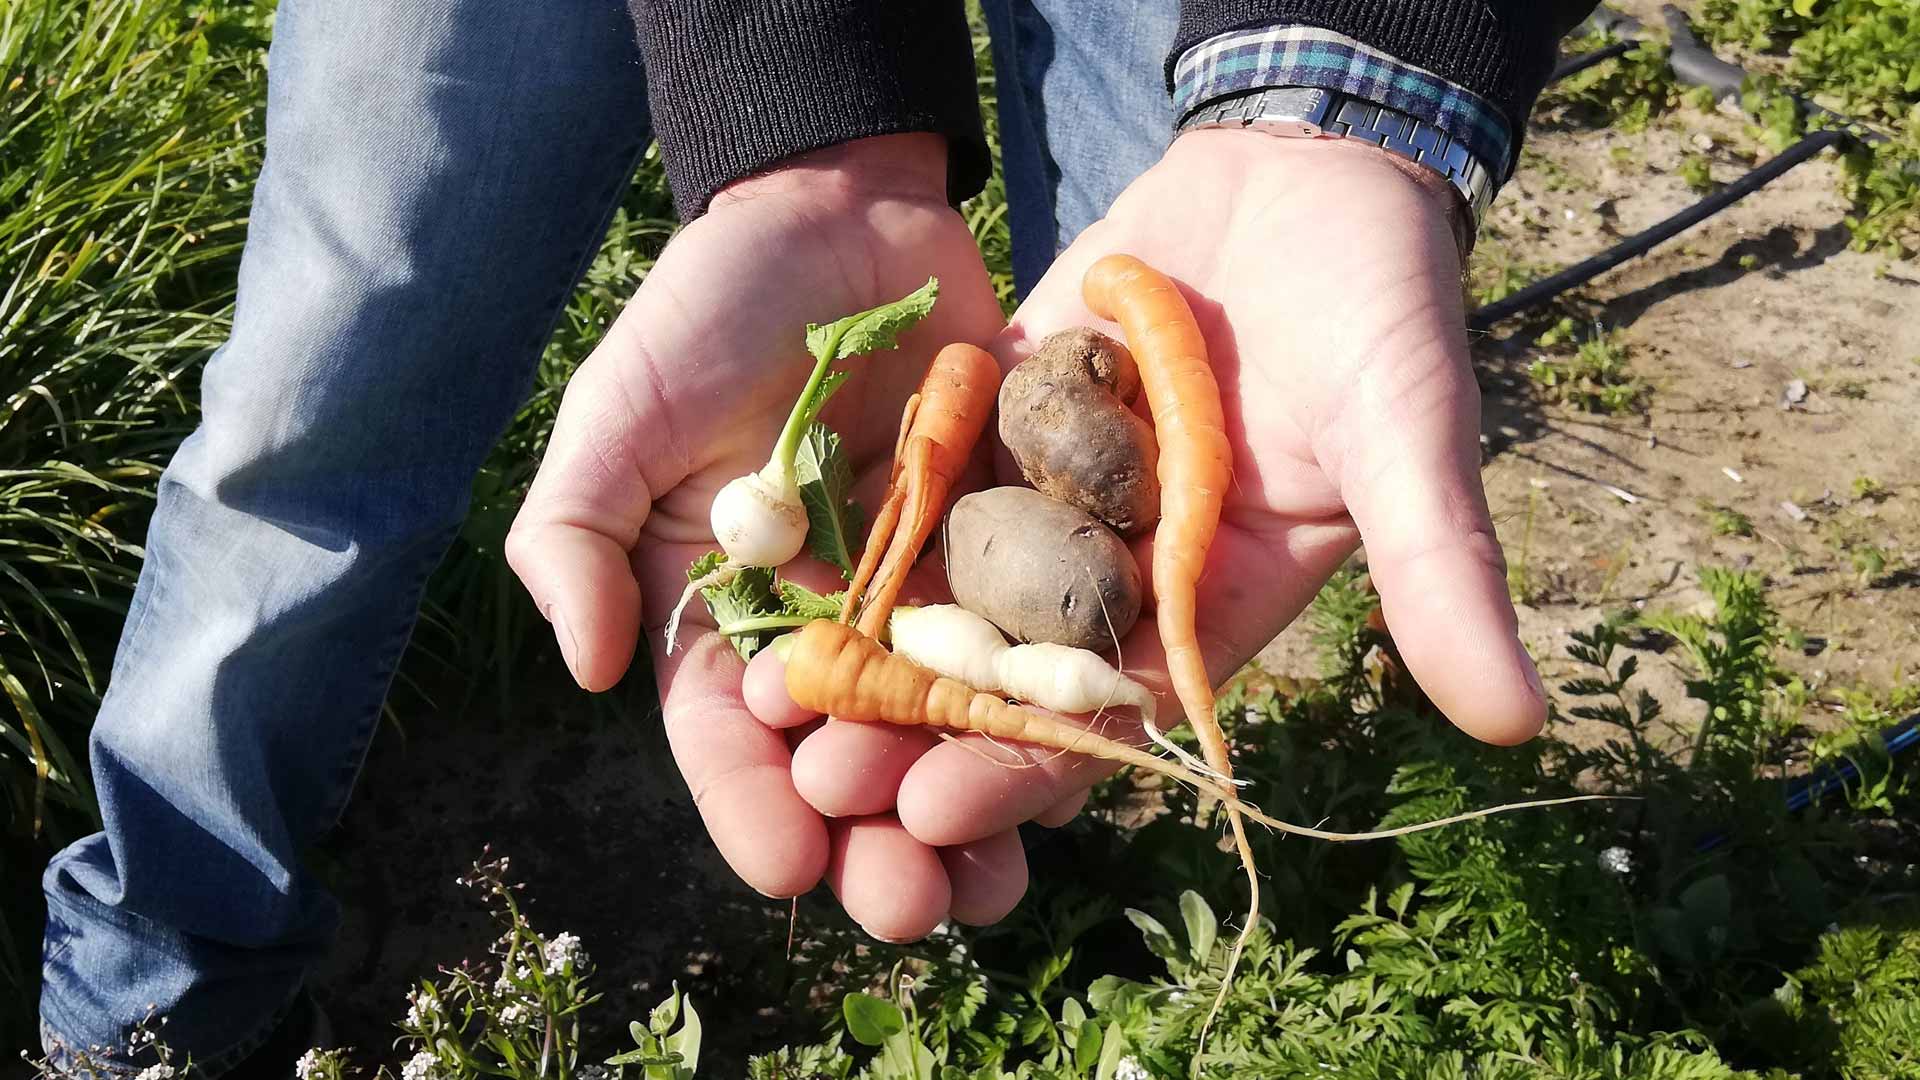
1325, 278
689, 390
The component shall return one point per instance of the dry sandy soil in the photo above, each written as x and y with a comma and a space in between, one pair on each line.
1717, 323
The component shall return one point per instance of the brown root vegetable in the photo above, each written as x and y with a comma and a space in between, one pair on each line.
1041, 570
1064, 415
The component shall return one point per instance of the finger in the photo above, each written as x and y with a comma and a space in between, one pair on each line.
847, 769
764, 689
891, 884
583, 514
1063, 811
738, 771
1432, 552
988, 877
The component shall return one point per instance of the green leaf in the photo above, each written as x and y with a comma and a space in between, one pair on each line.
1804, 8
686, 1042
661, 1020
870, 1020
748, 595
802, 602
826, 489
1159, 941
1202, 926
1113, 1046
872, 330
1086, 1046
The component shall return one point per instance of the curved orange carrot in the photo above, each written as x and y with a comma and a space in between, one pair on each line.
1196, 465
938, 432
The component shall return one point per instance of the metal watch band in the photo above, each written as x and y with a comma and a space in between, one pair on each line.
1310, 112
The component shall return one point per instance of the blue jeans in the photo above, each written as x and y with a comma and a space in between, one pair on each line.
437, 176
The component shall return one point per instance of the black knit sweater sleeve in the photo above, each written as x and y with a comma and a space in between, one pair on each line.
737, 85
1502, 50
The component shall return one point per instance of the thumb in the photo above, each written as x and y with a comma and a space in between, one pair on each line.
1411, 480
570, 541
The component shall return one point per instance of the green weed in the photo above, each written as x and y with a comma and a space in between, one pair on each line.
1596, 376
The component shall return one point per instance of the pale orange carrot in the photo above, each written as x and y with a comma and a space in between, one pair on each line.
942, 423
1196, 465
835, 669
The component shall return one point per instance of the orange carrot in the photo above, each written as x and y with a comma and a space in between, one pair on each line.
835, 669
938, 432
1196, 465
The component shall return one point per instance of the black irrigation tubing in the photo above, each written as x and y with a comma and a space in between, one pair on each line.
1693, 63
1830, 780
1574, 64
1545, 289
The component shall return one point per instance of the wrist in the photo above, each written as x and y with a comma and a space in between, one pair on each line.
1351, 172
911, 165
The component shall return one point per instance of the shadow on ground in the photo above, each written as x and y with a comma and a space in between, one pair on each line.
582, 796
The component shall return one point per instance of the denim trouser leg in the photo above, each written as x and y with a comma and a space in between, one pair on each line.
437, 174
1083, 110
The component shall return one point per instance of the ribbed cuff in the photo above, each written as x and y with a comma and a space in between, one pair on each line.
1499, 50
737, 87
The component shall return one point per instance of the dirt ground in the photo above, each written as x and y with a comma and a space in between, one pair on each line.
1719, 323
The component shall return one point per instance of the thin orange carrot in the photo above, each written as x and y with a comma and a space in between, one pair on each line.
1196, 465
942, 423
835, 669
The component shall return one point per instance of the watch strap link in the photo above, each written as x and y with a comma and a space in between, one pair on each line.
1312, 112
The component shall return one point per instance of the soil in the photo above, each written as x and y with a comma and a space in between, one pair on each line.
1718, 323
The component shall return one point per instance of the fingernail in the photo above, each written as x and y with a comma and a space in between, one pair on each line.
569, 648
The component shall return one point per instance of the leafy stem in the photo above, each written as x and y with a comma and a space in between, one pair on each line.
808, 407
764, 622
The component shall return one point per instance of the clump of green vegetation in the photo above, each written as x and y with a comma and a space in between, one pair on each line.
1596, 376
1493, 274
1627, 92
1703, 932
1696, 171
1858, 56
1726, 521
1866, 488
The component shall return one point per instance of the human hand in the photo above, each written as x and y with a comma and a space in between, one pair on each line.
689, 390
1326, 279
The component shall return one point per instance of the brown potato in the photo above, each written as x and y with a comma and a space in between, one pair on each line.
1039, 569
1064, 415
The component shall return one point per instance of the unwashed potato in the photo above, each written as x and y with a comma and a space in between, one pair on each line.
1064, 415
1039, 569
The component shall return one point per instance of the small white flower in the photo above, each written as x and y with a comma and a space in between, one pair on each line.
564, 949
1131, 1069
421, 1066
162, 1071
1617, 861
309, 1064
518, 1014
422, 1009
592, 1072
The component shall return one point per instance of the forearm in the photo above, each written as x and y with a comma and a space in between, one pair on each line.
736, 87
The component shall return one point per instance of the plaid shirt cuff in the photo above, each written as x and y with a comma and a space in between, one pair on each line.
1240, 61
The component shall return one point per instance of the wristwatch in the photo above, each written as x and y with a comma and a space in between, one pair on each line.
1307, 112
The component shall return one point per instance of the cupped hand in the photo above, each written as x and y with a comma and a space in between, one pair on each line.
689, 390
1325, 276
